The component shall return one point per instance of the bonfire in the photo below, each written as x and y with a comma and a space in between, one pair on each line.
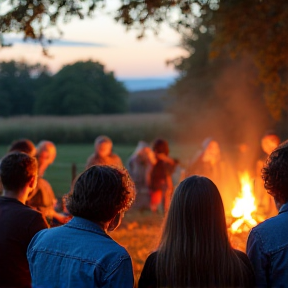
244, 206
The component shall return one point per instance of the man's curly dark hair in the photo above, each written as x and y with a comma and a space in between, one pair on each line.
100, 193
275, 173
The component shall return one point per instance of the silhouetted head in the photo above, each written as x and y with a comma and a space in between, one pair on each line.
196, 211
100, 193
46, 154
211, 151
103, 146
23, 145
161, 146
275, 173
269, 142
17, 170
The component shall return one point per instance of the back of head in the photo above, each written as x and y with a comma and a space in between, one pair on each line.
16, 170
102, 139
196, 213
23, 145
48, 149
194, 247
100, 193
269, 142
275, 173
161, 146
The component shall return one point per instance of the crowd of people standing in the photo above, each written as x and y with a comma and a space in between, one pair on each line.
194, 248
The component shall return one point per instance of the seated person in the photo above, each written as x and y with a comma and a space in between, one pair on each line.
160, 176
139, 166
81, 253
43, 198
194, 249
267, 245
103, 154
23, 145
18, 222
264, 201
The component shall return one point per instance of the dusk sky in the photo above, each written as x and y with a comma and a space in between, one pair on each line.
102, 39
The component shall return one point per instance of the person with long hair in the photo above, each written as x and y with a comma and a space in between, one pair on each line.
194, 249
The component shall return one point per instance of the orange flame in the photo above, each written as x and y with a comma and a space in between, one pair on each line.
244, 205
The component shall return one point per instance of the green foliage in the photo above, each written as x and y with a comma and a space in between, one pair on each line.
81, 88
241, 28
259, 29
218, 97
17, 88
148, 101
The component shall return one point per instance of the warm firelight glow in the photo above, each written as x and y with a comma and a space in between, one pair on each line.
244, 205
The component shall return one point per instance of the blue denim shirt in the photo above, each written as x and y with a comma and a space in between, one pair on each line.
78, 254
267, 249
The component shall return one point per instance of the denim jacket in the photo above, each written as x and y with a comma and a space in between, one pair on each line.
78, 254
267, 249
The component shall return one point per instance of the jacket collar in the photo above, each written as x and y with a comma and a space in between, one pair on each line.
84, 224
284, 208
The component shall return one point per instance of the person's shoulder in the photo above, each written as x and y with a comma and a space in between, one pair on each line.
118, 249
268, 224
245, 260
241, 255
151, 259
90, 160
43, 182
30, 216
115, 157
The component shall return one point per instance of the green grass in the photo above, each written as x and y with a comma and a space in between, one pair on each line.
59, 174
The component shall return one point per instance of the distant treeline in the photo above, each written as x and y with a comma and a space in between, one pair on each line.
148, 101
80, 88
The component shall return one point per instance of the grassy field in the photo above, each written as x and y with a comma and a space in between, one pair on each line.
123, 129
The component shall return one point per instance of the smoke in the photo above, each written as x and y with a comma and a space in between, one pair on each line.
226, 105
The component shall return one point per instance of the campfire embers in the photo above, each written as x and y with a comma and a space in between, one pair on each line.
244, 206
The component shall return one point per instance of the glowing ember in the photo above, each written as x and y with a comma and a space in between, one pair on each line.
244, 205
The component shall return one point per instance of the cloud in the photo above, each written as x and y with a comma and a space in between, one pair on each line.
16, 40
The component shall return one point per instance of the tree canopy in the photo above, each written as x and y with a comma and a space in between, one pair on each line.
240, 27
218, 97
80, 88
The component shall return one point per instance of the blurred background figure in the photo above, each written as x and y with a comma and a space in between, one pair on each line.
43, 198
139, 166
103, 154
264, 201
24, 146
160, 179
210, 162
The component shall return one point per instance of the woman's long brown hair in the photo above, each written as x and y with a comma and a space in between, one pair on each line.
194, 249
